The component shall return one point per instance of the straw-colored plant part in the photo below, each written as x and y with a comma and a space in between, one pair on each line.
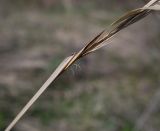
98, 42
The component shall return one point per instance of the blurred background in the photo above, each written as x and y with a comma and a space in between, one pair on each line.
114, 89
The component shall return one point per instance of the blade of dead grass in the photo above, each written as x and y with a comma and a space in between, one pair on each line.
154, 7
95, 44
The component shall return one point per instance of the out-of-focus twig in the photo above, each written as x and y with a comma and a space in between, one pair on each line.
150, 109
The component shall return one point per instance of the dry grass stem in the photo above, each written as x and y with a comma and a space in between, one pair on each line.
98, 42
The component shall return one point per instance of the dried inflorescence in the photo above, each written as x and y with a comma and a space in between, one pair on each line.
98, 42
